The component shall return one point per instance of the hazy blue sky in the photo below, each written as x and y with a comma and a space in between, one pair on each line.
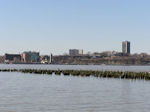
57, 25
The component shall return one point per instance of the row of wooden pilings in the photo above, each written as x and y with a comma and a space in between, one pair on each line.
86, 73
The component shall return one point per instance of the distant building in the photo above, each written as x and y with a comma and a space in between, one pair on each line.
26, 57
75, 52
35, 57
2, 60
30, 57
12, 58
51, 58
80, 51
126, 47
45, 59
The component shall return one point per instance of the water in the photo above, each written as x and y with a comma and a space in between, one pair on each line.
45, 93
50, 93
77, 67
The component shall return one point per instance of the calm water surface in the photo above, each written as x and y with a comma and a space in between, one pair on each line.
77, 67
45, 93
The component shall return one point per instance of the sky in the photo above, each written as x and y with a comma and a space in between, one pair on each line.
55, 26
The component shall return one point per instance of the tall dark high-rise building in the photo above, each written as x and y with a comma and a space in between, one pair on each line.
126, 47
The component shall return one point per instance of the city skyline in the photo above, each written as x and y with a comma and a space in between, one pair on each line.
56, 26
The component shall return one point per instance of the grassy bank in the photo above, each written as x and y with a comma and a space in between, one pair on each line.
86, 73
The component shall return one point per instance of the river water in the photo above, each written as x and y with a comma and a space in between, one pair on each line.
51, 93
77, 67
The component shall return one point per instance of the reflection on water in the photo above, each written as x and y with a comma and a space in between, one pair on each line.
43, 93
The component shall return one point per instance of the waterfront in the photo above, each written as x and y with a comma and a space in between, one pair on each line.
51, 93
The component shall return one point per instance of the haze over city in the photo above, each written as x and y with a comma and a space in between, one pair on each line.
57, 26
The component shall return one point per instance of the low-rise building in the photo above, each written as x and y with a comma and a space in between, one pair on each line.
46, 59
30, 57
12, 58
75, 52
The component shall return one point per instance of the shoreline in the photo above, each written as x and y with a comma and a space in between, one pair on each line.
76, 64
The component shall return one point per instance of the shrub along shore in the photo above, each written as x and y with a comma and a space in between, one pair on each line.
86, 73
